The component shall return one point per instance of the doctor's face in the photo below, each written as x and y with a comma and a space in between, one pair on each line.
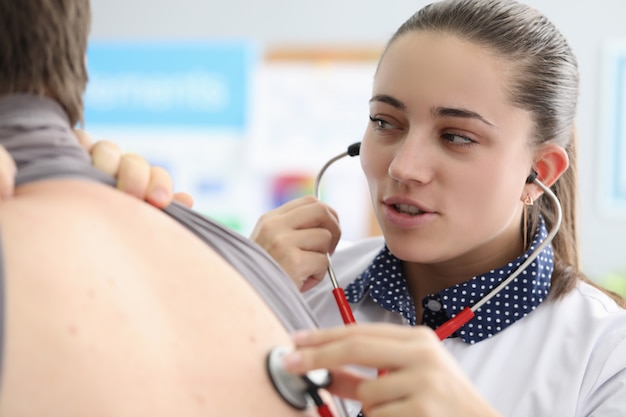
446, 153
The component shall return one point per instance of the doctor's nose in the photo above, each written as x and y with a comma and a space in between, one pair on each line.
412, 162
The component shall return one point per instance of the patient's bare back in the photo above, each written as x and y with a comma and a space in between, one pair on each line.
114, 309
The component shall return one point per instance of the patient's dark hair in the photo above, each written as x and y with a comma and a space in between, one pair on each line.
42, 50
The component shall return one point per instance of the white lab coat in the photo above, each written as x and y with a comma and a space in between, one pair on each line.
565, 359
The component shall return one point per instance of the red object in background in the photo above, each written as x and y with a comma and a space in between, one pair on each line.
287, 187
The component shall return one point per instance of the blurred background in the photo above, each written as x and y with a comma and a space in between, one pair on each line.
243, 102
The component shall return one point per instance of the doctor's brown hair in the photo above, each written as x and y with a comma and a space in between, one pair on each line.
543, 76
42, 50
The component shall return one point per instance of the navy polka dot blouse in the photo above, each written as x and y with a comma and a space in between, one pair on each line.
387, 286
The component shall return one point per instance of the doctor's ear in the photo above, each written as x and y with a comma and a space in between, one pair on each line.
551, 161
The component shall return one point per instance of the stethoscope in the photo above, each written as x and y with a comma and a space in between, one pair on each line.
301, 391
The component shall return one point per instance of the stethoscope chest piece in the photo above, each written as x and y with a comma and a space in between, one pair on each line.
294, 389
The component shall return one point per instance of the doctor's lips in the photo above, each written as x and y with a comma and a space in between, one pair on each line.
406, 207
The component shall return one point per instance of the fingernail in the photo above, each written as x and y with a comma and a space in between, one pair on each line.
300, 336
158, 196
292, 360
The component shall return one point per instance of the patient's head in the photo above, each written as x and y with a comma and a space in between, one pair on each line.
42, 50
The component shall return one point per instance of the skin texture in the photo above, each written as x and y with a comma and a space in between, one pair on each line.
103, 325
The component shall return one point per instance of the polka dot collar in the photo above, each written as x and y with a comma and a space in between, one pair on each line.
384, 281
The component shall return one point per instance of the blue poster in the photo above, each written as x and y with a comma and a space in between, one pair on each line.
173, 84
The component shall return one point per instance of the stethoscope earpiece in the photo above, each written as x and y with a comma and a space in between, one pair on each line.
354, 149
532, 177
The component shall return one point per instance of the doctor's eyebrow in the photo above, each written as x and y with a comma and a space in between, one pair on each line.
394, 102
462, 113
437, 112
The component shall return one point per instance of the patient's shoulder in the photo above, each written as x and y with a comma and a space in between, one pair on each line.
114, 309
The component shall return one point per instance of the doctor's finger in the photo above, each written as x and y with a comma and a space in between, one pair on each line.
299, 264
303, 212
317, 240
377, 394
309, 274
8, 170
368, 351
405, 407
106, 156
292, 246
133, 176
345, 383
381, 331
311, 282
371, 352
295, 203
159, 191
392, 387
184, 199
84, 139
315, 216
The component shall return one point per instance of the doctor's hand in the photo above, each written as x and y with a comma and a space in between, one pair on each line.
422, 378
299, 235
133, 173
7, 174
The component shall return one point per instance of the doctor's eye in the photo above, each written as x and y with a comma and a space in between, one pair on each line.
381, 124
456, 139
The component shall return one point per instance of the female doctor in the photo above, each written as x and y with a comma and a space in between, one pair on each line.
469, 100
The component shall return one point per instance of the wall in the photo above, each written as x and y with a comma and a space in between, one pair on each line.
369, 23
